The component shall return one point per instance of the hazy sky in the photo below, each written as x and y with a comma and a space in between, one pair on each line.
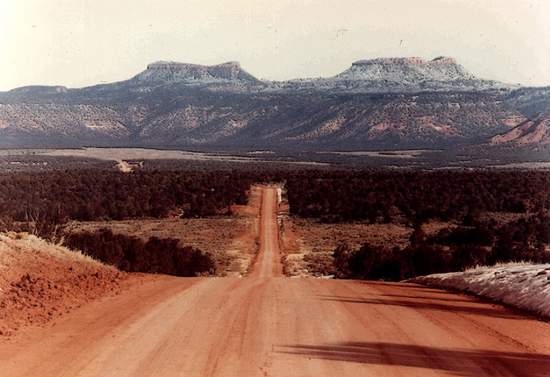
83, 42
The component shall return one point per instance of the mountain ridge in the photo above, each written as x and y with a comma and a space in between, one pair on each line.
376, 103
528, 133
169, 71
404, 70
401, 69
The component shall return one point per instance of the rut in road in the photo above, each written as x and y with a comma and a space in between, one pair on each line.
269, 325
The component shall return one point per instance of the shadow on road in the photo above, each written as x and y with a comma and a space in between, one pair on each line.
454, 298
429, 303
459, 362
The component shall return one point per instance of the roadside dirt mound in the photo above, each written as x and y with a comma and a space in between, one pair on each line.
40, 281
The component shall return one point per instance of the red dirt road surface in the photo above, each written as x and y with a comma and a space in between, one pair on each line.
269, 325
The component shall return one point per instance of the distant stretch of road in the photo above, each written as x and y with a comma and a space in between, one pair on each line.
269, 325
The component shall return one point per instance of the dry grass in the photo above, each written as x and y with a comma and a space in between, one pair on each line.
31, 244
502, 218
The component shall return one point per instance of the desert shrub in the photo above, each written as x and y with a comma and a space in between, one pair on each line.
370, 262
320, 264
6, 224
418, 236
157, 255
380, 263
464, 236
469, 255
341, 257
525, 239
424, 259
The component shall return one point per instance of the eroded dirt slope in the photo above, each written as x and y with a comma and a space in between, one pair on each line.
40, 281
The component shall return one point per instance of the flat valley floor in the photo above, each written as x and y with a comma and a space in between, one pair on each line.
266, 324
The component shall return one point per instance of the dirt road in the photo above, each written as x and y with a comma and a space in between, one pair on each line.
268, 263
268, 325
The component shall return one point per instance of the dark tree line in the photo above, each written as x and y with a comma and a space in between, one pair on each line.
54, 197
332, 196
413, 196
157, 255
450, 250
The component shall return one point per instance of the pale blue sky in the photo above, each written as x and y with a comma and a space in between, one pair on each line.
84, 42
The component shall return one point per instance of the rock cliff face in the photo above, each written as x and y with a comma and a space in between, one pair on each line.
407, 70
398, 75
528, 133
170, 72
378, 103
